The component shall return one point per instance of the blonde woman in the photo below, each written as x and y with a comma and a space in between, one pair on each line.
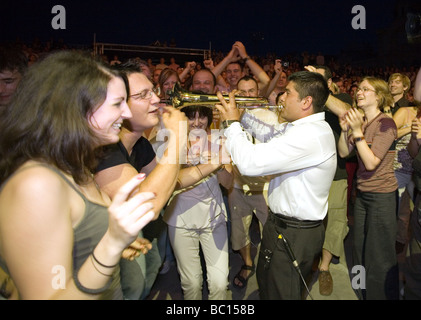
372, 134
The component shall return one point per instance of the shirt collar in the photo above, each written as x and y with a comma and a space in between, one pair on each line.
319, 116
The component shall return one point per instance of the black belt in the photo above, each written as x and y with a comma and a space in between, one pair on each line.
285, 222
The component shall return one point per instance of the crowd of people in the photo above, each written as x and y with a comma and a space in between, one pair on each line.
112, 182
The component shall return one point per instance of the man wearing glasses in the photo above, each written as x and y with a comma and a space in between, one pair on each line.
134, 154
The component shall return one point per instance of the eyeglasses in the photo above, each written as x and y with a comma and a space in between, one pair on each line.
146, 94
364, 90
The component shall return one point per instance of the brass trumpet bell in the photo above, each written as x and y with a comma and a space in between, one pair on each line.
181, 98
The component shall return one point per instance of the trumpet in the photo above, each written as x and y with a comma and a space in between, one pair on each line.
181, 98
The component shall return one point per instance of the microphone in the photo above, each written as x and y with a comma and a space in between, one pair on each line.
294, 261
289, 251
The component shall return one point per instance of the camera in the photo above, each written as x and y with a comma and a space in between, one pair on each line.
285, 64
413, 27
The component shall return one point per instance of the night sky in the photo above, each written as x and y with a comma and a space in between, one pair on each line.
262, 25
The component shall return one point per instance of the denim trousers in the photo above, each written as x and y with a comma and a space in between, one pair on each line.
374, 245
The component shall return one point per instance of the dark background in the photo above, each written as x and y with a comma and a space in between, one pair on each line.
264, 26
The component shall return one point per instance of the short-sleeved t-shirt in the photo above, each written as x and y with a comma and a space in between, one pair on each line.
142, 154
380, 135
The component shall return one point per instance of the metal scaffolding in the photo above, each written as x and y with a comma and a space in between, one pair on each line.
101, 48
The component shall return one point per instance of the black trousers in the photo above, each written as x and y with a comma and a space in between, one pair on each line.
277, 278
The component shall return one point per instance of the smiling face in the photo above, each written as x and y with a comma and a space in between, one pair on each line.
234, 74
366, 95
198, 122
168, 85
142, 102
106, 120
203, 81
397, 87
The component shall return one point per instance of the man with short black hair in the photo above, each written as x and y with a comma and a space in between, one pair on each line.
300, 157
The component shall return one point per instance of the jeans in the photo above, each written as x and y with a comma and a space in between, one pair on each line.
374, 244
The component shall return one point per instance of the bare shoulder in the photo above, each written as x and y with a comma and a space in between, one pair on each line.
33, 178
32, 188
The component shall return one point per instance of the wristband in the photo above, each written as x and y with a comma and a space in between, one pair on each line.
359, 139
227, 123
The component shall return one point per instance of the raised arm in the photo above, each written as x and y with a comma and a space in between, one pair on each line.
272, 84
262, 78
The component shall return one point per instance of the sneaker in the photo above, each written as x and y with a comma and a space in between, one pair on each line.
325, 283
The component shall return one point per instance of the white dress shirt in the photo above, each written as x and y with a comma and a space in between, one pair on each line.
300, 156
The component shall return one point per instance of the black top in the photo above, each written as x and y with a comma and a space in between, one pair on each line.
142, 154
333, 121
402, 102
116, 154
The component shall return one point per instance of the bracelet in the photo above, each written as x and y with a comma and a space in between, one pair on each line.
101, 264
201, 175
88, 290
180, 184
227, 123
99, 271
246, 58
359, 139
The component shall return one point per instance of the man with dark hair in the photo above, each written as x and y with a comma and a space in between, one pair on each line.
234, 65
299, 155
134, 154
13, 65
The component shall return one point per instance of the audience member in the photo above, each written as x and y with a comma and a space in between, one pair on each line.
115, 61
373, 135
173, 65
133, 155
336, 221
166, 81
399, 84
301, 158
48, 146
161, 65
277, 84
155, 77
196, 214
412, 271
235, 69
13, 65
247, 197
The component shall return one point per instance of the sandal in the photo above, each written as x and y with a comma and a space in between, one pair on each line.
241, 279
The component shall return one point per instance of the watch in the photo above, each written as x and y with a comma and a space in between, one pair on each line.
227, 123
359, 139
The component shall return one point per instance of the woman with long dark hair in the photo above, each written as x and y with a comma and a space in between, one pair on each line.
60, 236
